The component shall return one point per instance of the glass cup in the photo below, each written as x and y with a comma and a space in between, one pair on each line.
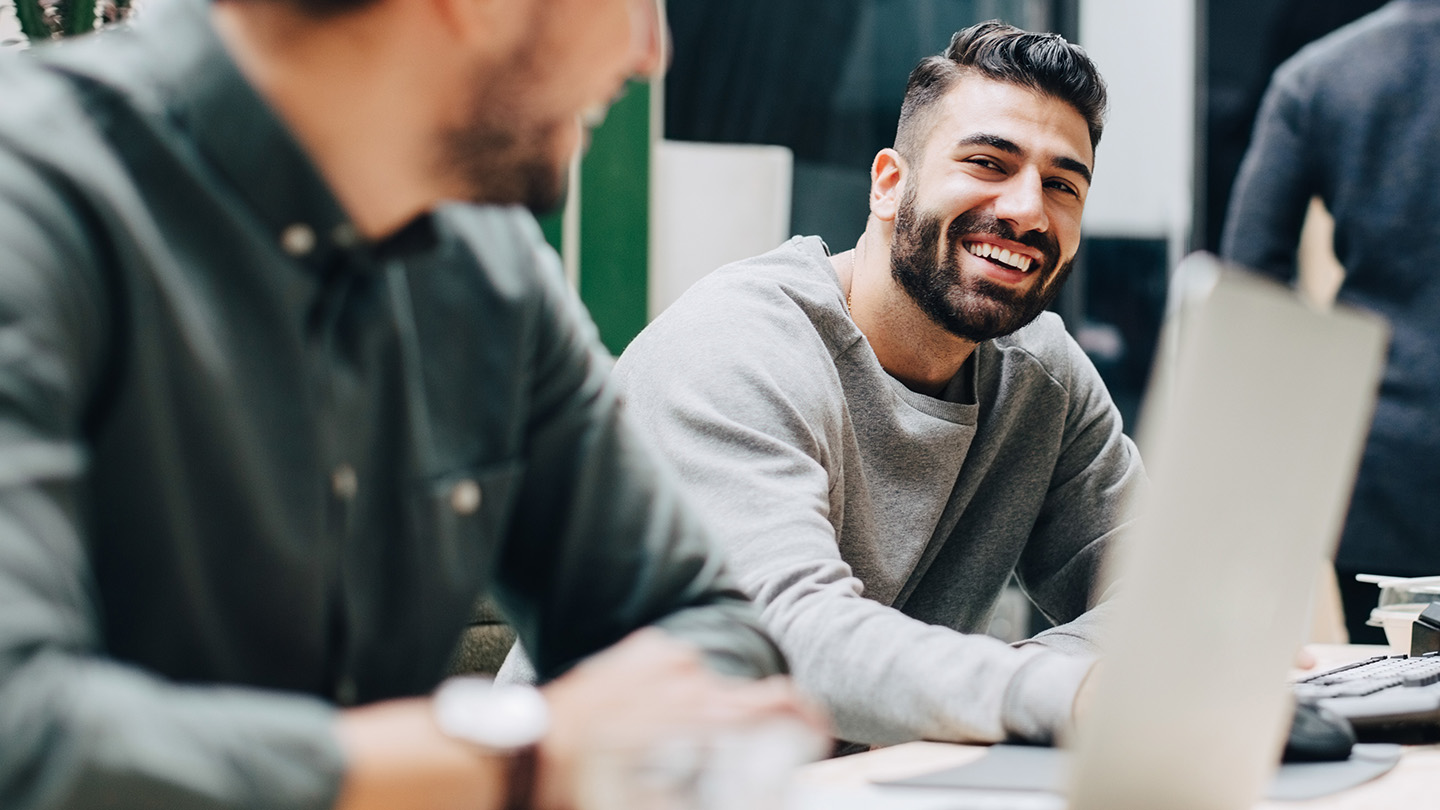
747, 768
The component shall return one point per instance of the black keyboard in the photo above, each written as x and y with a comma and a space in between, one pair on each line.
1392, 698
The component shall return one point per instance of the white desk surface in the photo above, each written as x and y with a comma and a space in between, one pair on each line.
846, 783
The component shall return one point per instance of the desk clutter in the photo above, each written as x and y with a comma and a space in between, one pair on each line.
1401, 603
1390, 698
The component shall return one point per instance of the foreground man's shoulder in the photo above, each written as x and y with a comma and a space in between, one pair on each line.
41, 117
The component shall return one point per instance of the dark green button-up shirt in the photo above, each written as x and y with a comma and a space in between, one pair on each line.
252, 466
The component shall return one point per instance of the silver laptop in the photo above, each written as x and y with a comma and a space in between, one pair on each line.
1252, 434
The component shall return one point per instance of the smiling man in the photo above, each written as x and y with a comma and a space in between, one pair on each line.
883, 436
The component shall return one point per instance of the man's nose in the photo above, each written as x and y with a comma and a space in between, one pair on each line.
1022, 202
650, 37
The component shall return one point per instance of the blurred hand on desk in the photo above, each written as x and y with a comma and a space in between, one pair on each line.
651, 703
645, 715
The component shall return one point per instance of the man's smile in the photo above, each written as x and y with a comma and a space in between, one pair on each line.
1008, 259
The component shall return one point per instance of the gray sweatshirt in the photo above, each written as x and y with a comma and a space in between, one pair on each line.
877, 526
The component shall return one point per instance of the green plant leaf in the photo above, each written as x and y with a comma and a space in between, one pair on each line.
32, 20
80, 17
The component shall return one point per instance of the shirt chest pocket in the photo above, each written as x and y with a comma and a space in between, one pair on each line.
463, 517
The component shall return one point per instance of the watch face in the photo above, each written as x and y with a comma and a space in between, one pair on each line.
499, 717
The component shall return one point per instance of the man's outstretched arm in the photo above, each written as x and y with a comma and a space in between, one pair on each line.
640, 694
745, 438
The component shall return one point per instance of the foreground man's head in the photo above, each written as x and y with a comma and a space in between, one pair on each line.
406, 103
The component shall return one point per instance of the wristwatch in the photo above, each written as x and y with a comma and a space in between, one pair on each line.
503, 720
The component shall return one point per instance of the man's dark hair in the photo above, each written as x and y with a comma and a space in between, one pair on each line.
1045, 63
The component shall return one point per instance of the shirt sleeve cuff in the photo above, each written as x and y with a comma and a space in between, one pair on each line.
1039, 703
295, 761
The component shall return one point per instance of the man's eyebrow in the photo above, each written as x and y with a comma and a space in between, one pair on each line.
1010, 147
1071, 164
986, 139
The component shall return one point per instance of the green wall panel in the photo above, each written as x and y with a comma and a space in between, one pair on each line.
615, 219
552, 225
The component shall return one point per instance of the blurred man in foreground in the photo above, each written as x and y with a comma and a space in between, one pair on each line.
884, 435
273, 414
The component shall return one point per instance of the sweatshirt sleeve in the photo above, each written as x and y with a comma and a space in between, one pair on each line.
754, 443
1095, 492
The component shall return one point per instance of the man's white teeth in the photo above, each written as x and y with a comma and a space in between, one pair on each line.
985, 250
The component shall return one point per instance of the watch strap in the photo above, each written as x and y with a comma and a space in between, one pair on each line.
520, 769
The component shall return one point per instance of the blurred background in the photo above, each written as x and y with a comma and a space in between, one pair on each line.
768, 118
771, 112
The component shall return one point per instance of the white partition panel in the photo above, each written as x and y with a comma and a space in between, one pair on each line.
1143, 172
712, 204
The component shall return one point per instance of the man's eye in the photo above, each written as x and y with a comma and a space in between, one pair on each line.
1063, 187
984, 163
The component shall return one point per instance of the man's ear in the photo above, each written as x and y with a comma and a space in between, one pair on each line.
887, 184
494, 28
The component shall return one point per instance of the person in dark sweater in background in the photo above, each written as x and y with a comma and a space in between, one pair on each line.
1350, 119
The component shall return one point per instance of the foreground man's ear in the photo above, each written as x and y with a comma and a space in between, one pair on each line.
494, 29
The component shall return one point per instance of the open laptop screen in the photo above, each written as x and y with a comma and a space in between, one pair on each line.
1252, 434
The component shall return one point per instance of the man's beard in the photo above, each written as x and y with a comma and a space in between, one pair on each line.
499, 164
498, 153
968, 306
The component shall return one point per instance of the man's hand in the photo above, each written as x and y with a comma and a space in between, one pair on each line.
646, 691
1305, 659
643, 692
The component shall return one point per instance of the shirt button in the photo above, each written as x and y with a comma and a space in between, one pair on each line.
465, 497
343, 482
345, 235
297, 239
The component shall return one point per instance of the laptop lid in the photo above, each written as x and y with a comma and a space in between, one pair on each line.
1251, 433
